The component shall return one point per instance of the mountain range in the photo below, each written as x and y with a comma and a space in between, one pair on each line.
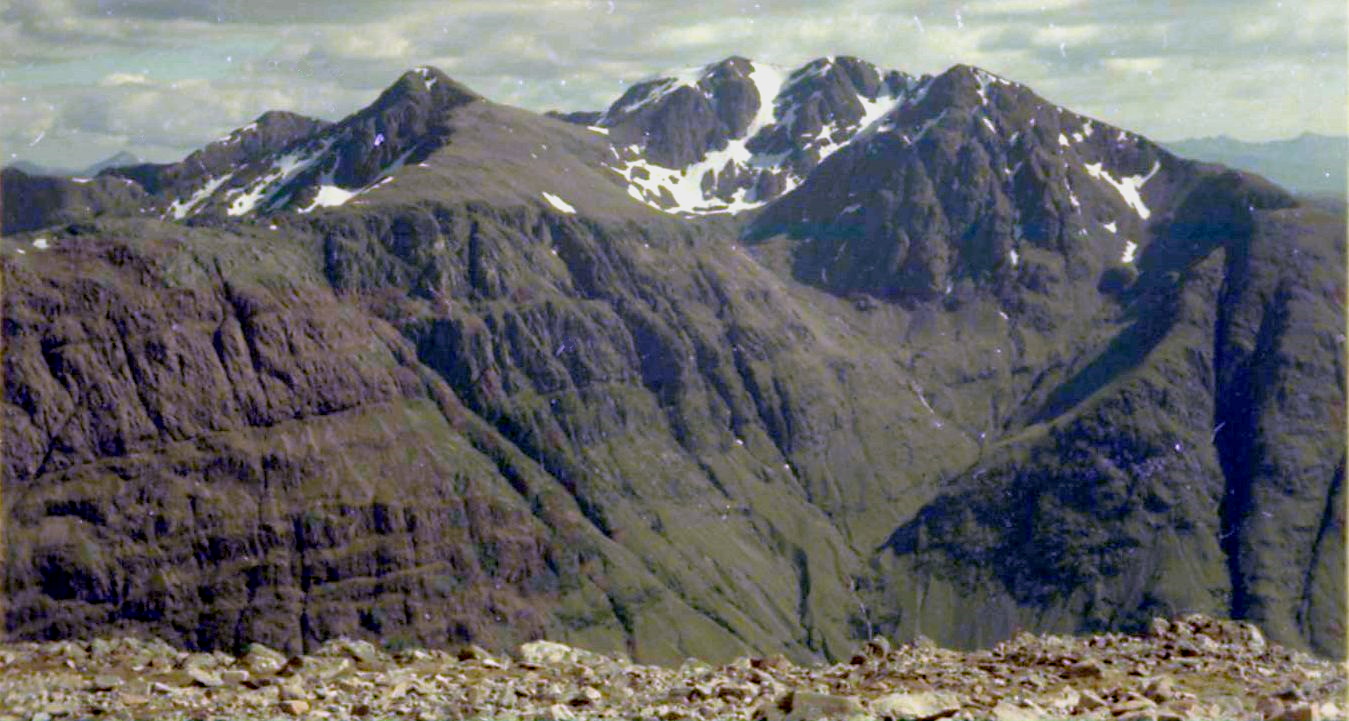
1309, 164
115, 160
753, 360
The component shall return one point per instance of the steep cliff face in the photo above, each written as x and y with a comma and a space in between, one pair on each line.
990, 365
1171, 465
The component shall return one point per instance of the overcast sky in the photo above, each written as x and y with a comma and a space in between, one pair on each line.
82, 79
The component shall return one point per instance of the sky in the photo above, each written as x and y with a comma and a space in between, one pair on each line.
83, 79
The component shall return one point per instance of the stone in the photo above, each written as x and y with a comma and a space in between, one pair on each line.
260, 659
1090, 668
736, 691
234, 676
204, 677
1132, 702
292, 690
1159, 628
1090, 700
776, 662
586, 696
1252, 637
1269, 708
357, 650
920, 706
809, 706
200, 660
473, 652
398, 691
105, 682
558, 712
1301, 712
294, 707
1064, 700
1006, 710
1206, 645
547, 653
133, 699
1160, 690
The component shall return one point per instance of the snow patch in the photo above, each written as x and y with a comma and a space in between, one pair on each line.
687, 77
329, 196
768, 80
1063, 140
1128, 187
1014, 257
874, 110
427, 78
558, 203
41, 243
81, 181
598, 129
926, 126
1130, 251
282, 170
985, 79
1110, 226
182, 208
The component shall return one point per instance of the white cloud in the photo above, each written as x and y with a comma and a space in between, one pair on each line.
84, 63
116, 79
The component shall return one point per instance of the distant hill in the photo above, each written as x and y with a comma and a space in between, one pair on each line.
120, 159
1309, 163
35, 169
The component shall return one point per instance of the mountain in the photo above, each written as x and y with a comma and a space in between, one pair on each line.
28, 168
31, 202
754, 360
117, 160
1309, 163
736, 134
181, 186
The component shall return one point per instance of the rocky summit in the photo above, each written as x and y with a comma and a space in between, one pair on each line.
1186, 668
756, 361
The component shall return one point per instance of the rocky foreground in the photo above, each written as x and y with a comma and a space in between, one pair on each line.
1189, 668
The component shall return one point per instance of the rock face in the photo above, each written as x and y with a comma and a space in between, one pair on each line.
1045, 375
737, 134
31, 202
1020, 679
272, 132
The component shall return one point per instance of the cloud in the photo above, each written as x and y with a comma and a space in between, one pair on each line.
166, 76
115, 79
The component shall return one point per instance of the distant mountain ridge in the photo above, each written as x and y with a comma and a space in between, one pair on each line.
1309, 163
753, 360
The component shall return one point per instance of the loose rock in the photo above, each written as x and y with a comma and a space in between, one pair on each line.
1107, 676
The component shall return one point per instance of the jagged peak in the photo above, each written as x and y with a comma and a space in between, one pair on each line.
272, 117
735, 64
426, 80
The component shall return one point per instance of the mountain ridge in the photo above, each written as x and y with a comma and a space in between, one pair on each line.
506, 390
